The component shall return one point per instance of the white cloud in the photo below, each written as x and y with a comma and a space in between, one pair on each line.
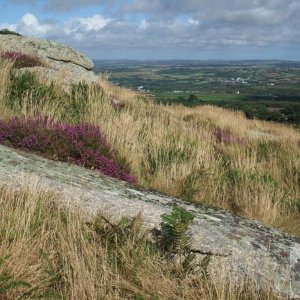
173, 24
30, 25
94, 23
193, 21
12, 27
30, 20
75, 27
144, 24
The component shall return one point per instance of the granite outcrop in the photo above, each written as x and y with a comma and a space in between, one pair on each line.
239, 247
61, 63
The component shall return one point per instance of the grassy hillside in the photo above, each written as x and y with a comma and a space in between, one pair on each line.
204, 155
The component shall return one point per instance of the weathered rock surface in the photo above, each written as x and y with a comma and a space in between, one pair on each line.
245, 247
62, 63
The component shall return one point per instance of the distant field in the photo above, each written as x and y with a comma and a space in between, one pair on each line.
268, 90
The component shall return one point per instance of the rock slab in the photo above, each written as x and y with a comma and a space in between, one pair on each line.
236, 246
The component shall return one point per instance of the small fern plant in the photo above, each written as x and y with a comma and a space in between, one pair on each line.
175, 235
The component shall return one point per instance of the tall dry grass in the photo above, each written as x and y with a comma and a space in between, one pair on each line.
52, 252
6, 67
174, 149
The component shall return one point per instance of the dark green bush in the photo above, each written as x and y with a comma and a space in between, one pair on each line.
7, 31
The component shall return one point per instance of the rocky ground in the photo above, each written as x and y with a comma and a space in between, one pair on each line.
243, 246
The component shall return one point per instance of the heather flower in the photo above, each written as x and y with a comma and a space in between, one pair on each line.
81, 144
224, 136
21, 60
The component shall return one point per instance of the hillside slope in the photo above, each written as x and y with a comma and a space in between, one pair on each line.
204, 154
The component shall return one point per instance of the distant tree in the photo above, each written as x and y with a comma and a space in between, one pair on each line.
275, 116
192, 98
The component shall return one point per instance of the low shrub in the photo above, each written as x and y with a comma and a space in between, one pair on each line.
81, 144
7, 31
21, 60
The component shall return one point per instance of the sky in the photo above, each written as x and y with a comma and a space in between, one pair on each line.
162, 29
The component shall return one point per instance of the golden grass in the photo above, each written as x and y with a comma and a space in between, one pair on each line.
61, 255
173, 149
4, 84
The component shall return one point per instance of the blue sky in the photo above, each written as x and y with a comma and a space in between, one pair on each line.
163, 29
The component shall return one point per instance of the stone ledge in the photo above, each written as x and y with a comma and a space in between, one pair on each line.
245, 247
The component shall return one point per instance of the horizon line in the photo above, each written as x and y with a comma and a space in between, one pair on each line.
188, 59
